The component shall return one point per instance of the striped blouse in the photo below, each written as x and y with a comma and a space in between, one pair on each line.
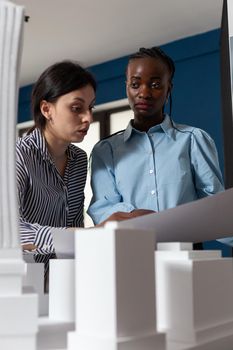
46, 199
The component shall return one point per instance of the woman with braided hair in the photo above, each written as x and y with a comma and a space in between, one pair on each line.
154, 164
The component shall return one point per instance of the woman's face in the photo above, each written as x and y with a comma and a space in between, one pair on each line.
69, 118
148, 86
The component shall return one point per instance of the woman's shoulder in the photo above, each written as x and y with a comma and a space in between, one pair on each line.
110, 142
195, 131
76, 151
25, 143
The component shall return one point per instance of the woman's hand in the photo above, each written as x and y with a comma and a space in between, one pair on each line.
120, 215
29, 247
140, 212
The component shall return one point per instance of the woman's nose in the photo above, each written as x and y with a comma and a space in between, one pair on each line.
88, 116
144, 91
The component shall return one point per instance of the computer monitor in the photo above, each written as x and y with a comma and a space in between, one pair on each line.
226, 44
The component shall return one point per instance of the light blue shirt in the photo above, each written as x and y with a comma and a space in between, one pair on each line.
169, 165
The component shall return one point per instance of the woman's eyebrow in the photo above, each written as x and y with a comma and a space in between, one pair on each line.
78, 99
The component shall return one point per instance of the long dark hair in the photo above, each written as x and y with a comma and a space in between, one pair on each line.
57, 80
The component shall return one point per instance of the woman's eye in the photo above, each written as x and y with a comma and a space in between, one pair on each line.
91, 108
155, 84
76, 109
134, 85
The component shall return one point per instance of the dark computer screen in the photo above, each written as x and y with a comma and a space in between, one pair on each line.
226, 45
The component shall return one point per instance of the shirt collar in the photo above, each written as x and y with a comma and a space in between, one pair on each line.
128, 131
166, 126
72, 152
39, 140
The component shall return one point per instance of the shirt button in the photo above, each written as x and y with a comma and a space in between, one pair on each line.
67, 208
151, 171
153, 192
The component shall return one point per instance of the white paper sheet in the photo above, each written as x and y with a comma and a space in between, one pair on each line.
203, 220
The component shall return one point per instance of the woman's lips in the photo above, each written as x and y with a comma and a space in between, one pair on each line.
142, 105
83, 132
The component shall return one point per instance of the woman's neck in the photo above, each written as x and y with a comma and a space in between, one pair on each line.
145, 123
58, 151
57, 148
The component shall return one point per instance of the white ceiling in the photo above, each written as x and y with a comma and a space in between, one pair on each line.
95, 31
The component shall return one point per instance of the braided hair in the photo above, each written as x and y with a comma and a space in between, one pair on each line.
157, 53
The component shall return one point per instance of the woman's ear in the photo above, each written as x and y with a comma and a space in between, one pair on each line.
126, 86
169, 91
170, 88
45, 108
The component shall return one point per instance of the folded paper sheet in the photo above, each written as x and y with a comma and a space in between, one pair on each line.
203, 220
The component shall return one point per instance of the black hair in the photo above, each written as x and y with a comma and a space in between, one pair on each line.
157, 53
57, 80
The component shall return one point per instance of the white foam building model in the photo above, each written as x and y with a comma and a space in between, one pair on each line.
60, 317
115, 291
119, 293
194, 292
128, 296
15, 305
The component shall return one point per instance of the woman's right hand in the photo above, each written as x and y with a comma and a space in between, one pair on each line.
29, 247
120, 215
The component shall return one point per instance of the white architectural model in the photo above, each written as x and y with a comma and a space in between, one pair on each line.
115, 291
194, 292
107, 298
15, 305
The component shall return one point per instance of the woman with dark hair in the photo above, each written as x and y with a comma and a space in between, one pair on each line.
51, 172
154, 164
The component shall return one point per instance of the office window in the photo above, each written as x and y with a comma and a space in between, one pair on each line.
88, 143
120, 120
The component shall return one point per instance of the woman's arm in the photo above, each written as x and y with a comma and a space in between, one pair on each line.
32, 236
204, 158
106, 199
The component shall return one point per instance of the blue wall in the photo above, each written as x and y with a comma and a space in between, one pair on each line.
196, 93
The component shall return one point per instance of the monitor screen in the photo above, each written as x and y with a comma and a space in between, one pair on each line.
227, 88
